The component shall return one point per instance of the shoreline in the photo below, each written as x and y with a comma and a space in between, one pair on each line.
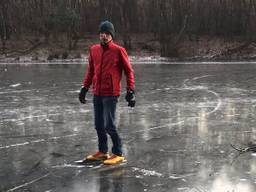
144, 48
134, 60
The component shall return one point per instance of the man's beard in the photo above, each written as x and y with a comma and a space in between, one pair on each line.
104, 41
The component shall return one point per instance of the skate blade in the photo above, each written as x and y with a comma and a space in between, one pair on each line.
104, 167
88, 163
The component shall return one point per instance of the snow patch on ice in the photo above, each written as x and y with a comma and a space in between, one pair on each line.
174, 176
65, 165
193, 88
146, 172
74, 91
15, 85
183, 188
19, 91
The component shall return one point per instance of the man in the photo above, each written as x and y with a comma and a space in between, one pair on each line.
107, 61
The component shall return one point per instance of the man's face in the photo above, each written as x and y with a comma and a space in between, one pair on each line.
105, 37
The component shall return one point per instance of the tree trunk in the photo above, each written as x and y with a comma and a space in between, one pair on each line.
3, 25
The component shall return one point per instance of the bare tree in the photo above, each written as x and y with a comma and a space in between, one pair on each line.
5, 30
169, 20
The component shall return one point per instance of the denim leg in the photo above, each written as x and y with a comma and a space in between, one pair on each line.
99, 124
109, 110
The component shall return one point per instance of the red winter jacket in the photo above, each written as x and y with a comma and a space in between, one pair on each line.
105, 70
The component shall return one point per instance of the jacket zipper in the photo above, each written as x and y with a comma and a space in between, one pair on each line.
112, 86
103, 51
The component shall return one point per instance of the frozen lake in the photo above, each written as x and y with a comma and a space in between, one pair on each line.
177, 139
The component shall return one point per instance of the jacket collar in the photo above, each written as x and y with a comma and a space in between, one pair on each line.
108, 45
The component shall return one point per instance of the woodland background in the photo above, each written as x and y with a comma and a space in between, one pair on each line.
177, 29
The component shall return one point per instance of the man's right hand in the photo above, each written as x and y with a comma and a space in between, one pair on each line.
82, 95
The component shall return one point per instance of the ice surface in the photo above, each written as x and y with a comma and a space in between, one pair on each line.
176, 139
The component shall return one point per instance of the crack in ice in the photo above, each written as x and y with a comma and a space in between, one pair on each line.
203, 88
28, 183
36, 141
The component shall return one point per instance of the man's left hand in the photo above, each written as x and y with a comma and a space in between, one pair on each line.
130, 98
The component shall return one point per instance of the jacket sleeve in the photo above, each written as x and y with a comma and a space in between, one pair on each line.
89, 72
128, 70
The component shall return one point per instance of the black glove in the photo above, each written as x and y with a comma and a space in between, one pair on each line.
82, 95
130, 98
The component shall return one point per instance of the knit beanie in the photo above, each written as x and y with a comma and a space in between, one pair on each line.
107, 26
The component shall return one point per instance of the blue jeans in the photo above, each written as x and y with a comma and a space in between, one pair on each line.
104, 116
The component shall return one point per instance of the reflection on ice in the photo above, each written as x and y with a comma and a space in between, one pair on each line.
226, 181
203, 123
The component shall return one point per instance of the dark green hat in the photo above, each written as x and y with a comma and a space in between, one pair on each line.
107, 26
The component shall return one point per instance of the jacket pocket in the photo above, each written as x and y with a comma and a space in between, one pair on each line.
94, 84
